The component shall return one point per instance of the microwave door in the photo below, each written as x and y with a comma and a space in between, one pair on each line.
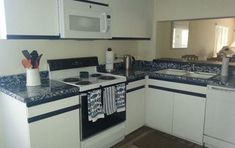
86, 24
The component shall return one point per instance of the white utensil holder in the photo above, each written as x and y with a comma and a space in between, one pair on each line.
33, 77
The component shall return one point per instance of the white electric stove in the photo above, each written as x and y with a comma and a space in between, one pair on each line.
104, 132
72, 76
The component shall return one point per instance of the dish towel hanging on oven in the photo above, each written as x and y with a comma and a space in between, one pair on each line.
109, 101
94, 102
120, 97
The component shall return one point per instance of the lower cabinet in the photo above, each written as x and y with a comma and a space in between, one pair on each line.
177, 109
135, 101
55, 124
188, 117
159, 109
59, 131
50, 125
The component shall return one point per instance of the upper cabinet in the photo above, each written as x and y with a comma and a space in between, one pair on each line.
52, 19
132, 18
30, 18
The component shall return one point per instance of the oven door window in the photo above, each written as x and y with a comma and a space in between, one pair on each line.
84, 23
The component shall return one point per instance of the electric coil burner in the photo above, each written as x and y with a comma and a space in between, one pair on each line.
83, 83
71, 80
107, 78
96, 75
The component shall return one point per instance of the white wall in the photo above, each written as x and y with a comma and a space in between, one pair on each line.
11, 56
192, 9
146, 49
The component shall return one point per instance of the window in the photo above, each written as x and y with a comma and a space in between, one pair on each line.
180, 34
221, 37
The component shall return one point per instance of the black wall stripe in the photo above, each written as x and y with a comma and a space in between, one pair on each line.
34, 37
136, 88
92, 2
129, 38
54, 113
178, 91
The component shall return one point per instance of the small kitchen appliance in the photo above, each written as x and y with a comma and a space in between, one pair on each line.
84, 19
67, 71
128, 61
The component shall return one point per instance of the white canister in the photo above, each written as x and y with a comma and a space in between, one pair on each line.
33, 77
224, 69
109, 58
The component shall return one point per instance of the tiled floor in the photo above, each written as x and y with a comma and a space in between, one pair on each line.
149, 138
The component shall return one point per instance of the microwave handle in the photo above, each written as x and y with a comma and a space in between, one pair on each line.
104, 15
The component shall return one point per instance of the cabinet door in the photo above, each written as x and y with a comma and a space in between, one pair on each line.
135, 110
32, 17
131, 18
159, 109
58, 131
188, 119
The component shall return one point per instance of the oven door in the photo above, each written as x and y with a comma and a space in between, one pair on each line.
89, 128
84, 20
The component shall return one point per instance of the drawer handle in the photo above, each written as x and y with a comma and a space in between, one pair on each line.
223, 89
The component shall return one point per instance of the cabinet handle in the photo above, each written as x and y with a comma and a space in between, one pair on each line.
223, 89
178, 91
54, 113
135, 89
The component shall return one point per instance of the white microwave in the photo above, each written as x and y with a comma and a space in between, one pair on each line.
81, 19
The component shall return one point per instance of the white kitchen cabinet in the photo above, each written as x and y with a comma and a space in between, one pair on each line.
50, 125
132, 18
176, 108
188, 118
135, 100
59, 131
159, 109
31, 18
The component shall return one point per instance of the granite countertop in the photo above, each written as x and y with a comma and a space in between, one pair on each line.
139, 74
179, 79
49, 90
131, 75
15, 86
222, 81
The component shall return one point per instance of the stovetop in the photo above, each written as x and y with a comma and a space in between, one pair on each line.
94, 80
69, 70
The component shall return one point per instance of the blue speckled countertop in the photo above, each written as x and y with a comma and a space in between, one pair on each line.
15, 86
133, 75
179, 79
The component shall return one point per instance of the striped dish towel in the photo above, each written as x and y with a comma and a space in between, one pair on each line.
109, 103
95, 109
120, 91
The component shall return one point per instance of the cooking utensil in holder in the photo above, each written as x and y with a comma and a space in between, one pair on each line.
33, 77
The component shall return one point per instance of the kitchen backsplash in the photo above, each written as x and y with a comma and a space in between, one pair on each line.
138, 65
164, 64
147, 66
